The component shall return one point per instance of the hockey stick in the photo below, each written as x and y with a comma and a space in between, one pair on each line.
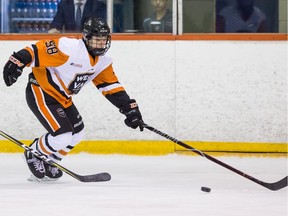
83, 178
272, 186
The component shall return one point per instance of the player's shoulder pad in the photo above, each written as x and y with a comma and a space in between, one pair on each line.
68, 45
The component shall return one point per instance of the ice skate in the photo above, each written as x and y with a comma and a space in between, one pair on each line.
35, 165
52, 172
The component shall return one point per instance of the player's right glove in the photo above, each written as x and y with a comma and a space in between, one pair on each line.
133, 115
13, 68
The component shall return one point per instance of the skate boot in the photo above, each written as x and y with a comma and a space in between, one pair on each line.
35, 165
52, 172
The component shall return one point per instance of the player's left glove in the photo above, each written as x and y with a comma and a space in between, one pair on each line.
13, 68
133, 115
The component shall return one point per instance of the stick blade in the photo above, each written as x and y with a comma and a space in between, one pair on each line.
99, 177
276, 185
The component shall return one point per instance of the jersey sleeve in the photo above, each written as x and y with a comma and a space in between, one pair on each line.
45, 53
108, 84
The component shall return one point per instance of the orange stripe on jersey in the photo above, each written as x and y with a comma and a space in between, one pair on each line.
42, 147
93, 61
62, 152
43, 108
41, 77
112, 91
106, 76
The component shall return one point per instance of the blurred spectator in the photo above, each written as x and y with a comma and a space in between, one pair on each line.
118, 16
241, 17
71, 19
160, 20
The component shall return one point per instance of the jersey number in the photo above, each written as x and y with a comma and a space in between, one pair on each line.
51, 47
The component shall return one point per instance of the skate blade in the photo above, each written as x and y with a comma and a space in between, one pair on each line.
33, 178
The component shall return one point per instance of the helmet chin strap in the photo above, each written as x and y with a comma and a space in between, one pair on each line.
96, 53
92, 54
90, 51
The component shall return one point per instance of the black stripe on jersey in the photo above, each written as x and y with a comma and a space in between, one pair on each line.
36, 57
102, 85
56, 87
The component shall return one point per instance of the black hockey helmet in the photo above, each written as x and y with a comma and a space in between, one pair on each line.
99, 28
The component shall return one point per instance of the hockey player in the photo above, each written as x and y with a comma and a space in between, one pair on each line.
60, 68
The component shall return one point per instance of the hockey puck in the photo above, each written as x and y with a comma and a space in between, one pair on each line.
206, 189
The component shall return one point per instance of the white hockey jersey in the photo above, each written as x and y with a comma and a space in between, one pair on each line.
63, 66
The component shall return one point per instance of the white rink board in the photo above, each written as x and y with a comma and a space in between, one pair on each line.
193, 90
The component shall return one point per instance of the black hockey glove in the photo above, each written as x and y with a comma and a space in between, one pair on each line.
133, 115
13, 68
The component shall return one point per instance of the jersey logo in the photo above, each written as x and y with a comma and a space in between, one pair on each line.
78, 82
76, 65
61, 112
51, 47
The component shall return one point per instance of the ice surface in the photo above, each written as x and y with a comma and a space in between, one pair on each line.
145, 186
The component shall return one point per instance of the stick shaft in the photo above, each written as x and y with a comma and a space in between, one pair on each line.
272, 186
